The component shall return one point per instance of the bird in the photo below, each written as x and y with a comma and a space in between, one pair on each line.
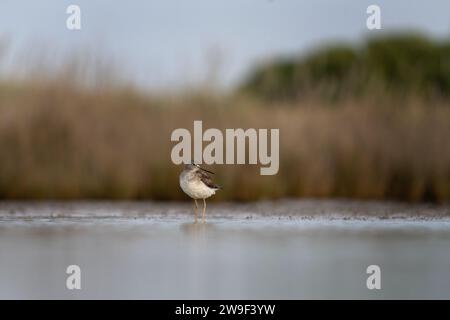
197, 184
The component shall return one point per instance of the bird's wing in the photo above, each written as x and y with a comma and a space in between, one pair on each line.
206, 179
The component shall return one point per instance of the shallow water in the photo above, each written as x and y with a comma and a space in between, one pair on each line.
305, 249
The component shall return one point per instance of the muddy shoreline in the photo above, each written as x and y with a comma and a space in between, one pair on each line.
290, 209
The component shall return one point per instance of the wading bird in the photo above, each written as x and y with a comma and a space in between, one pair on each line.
197, 184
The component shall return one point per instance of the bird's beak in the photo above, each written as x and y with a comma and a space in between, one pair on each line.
205, 170
201, 168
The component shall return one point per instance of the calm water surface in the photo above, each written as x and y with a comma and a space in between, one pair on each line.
151, 251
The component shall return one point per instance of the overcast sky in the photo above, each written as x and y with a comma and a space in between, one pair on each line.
168, 42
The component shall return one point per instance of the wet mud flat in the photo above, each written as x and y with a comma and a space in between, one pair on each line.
303, 209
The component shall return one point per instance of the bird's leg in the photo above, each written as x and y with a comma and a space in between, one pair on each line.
204, 210
195, 210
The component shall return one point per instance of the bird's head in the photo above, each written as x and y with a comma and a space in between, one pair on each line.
193, 165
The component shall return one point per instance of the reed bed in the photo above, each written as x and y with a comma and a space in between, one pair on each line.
61, 141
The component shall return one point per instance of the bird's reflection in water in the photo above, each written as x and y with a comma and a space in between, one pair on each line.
196, 231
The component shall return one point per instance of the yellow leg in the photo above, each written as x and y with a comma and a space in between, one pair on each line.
195, 210
204, 210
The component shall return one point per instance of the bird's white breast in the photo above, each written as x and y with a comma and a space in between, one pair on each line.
196, 189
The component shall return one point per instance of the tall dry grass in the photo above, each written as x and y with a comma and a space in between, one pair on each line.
58, 140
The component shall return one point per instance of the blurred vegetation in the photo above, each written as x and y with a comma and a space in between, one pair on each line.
61, 139
398, 65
